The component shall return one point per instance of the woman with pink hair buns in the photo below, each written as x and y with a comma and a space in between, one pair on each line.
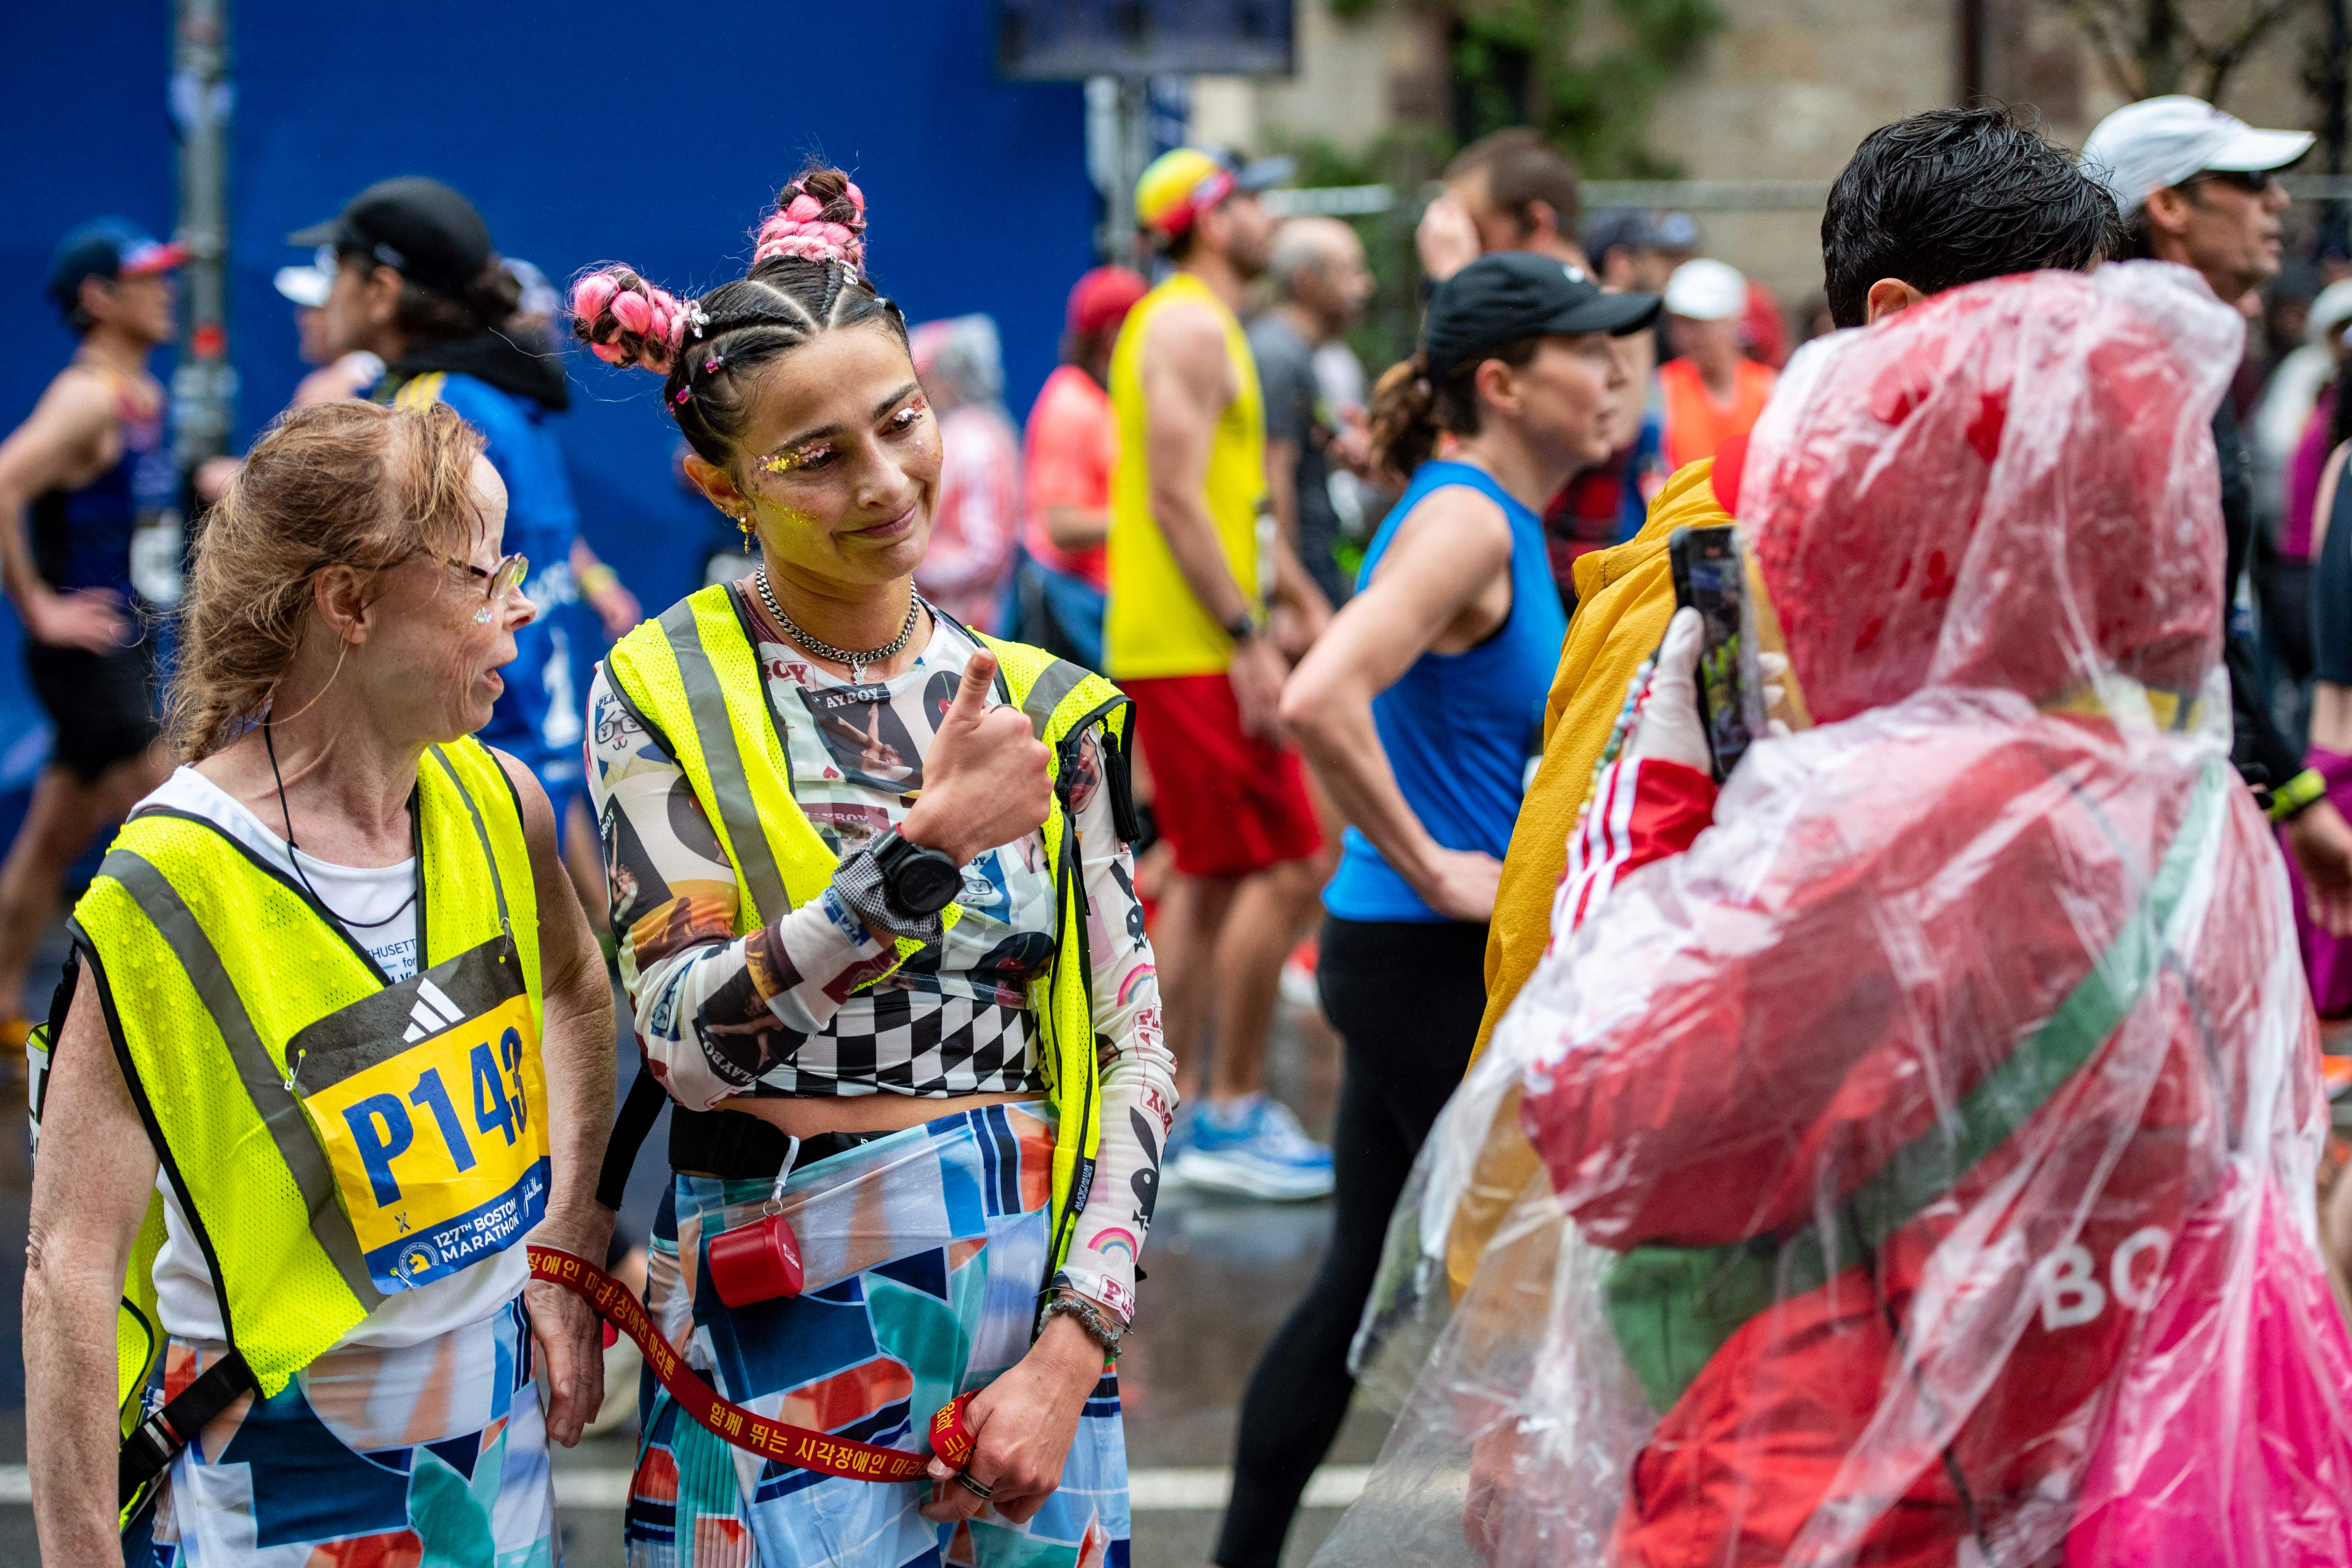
872, 898
1927, 1121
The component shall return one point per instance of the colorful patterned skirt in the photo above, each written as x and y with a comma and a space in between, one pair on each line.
369, 1458
924, 1253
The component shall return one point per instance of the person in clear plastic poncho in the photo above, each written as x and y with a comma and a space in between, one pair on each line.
1926, 1126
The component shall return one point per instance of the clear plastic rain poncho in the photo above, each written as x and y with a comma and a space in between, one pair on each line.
1919, 1168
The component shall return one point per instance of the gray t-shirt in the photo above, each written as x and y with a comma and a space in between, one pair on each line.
1295, 411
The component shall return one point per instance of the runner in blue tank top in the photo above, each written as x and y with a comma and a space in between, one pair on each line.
89, 538
1420, 709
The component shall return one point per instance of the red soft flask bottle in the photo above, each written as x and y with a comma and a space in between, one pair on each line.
760, 1261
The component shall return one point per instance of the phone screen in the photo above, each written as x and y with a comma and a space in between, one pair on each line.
1711, 577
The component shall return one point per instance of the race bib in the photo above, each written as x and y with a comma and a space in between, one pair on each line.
430, 1104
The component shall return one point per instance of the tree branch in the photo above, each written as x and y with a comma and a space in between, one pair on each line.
2220, 60
2121, 61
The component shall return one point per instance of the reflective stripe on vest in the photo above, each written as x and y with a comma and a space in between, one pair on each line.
264, 1079
208, 963
695, 675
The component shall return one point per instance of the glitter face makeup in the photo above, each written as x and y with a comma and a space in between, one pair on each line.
838, 462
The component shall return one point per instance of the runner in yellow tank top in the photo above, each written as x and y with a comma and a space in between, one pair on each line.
1156, 625
1186, 631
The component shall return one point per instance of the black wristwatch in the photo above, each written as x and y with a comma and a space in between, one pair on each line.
917, 881
1241, 628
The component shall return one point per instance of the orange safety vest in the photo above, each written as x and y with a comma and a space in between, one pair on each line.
1695, 424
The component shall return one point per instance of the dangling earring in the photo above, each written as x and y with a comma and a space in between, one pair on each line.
744, 522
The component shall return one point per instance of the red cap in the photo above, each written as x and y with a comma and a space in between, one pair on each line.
1102, 298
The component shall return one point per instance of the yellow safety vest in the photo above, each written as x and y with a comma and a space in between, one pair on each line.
1153, 625
693, 679
329, 1143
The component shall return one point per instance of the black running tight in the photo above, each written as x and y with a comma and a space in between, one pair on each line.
1406, 998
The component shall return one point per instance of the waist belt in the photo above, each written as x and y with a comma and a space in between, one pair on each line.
1672, 1307
800, 1447
724, 1143
738, 1147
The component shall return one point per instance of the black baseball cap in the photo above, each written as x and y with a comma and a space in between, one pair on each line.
419, 227
1510, 294
109, 247
1611, 228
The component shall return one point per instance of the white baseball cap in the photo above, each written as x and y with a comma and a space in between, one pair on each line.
305, 286
2158, 141
1707, 290
2332, 310
309, 285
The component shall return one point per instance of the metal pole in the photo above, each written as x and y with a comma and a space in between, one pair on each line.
1134, 157
204, 387
1969, 19
2334, 233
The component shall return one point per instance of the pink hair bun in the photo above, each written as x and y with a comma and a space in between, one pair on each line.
625, 320
799, 229
591, 294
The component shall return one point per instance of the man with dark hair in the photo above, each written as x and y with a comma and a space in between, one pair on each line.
2195, 186
1510, 191
1953, 196
92, 466
1926, 204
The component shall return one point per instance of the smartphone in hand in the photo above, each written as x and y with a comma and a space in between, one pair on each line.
1711, 577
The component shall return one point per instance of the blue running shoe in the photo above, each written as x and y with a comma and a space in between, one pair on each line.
1257, 1150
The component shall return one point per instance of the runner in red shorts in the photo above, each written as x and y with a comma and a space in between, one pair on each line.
1192, 569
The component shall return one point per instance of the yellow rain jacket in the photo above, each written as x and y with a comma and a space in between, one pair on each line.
1624, 596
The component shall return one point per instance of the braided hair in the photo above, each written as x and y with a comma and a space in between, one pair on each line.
807, 275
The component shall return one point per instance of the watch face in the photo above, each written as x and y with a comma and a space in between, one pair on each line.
924, 882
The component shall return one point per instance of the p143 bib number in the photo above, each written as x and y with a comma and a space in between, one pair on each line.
439, 1149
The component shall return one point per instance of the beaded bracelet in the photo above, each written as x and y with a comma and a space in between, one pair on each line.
1090, 1318
1620, 733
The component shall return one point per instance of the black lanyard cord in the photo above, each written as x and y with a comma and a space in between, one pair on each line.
295, 850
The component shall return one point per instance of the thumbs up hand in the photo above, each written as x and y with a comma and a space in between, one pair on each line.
984, 782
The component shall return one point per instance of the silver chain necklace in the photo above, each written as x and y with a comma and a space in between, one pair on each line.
857, 661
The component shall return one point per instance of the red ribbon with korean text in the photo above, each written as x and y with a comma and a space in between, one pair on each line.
802, 1447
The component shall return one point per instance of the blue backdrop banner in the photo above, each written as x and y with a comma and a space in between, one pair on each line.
584, 132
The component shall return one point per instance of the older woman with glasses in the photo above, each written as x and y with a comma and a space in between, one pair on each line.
334, 1040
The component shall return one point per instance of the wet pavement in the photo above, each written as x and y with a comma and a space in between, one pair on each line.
1224, 1274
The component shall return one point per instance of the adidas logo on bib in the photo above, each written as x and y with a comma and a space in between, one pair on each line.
433, 1012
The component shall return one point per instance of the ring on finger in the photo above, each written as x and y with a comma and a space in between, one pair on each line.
975, 1485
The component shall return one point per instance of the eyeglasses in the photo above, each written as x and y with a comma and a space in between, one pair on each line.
500, 580
2253, 182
